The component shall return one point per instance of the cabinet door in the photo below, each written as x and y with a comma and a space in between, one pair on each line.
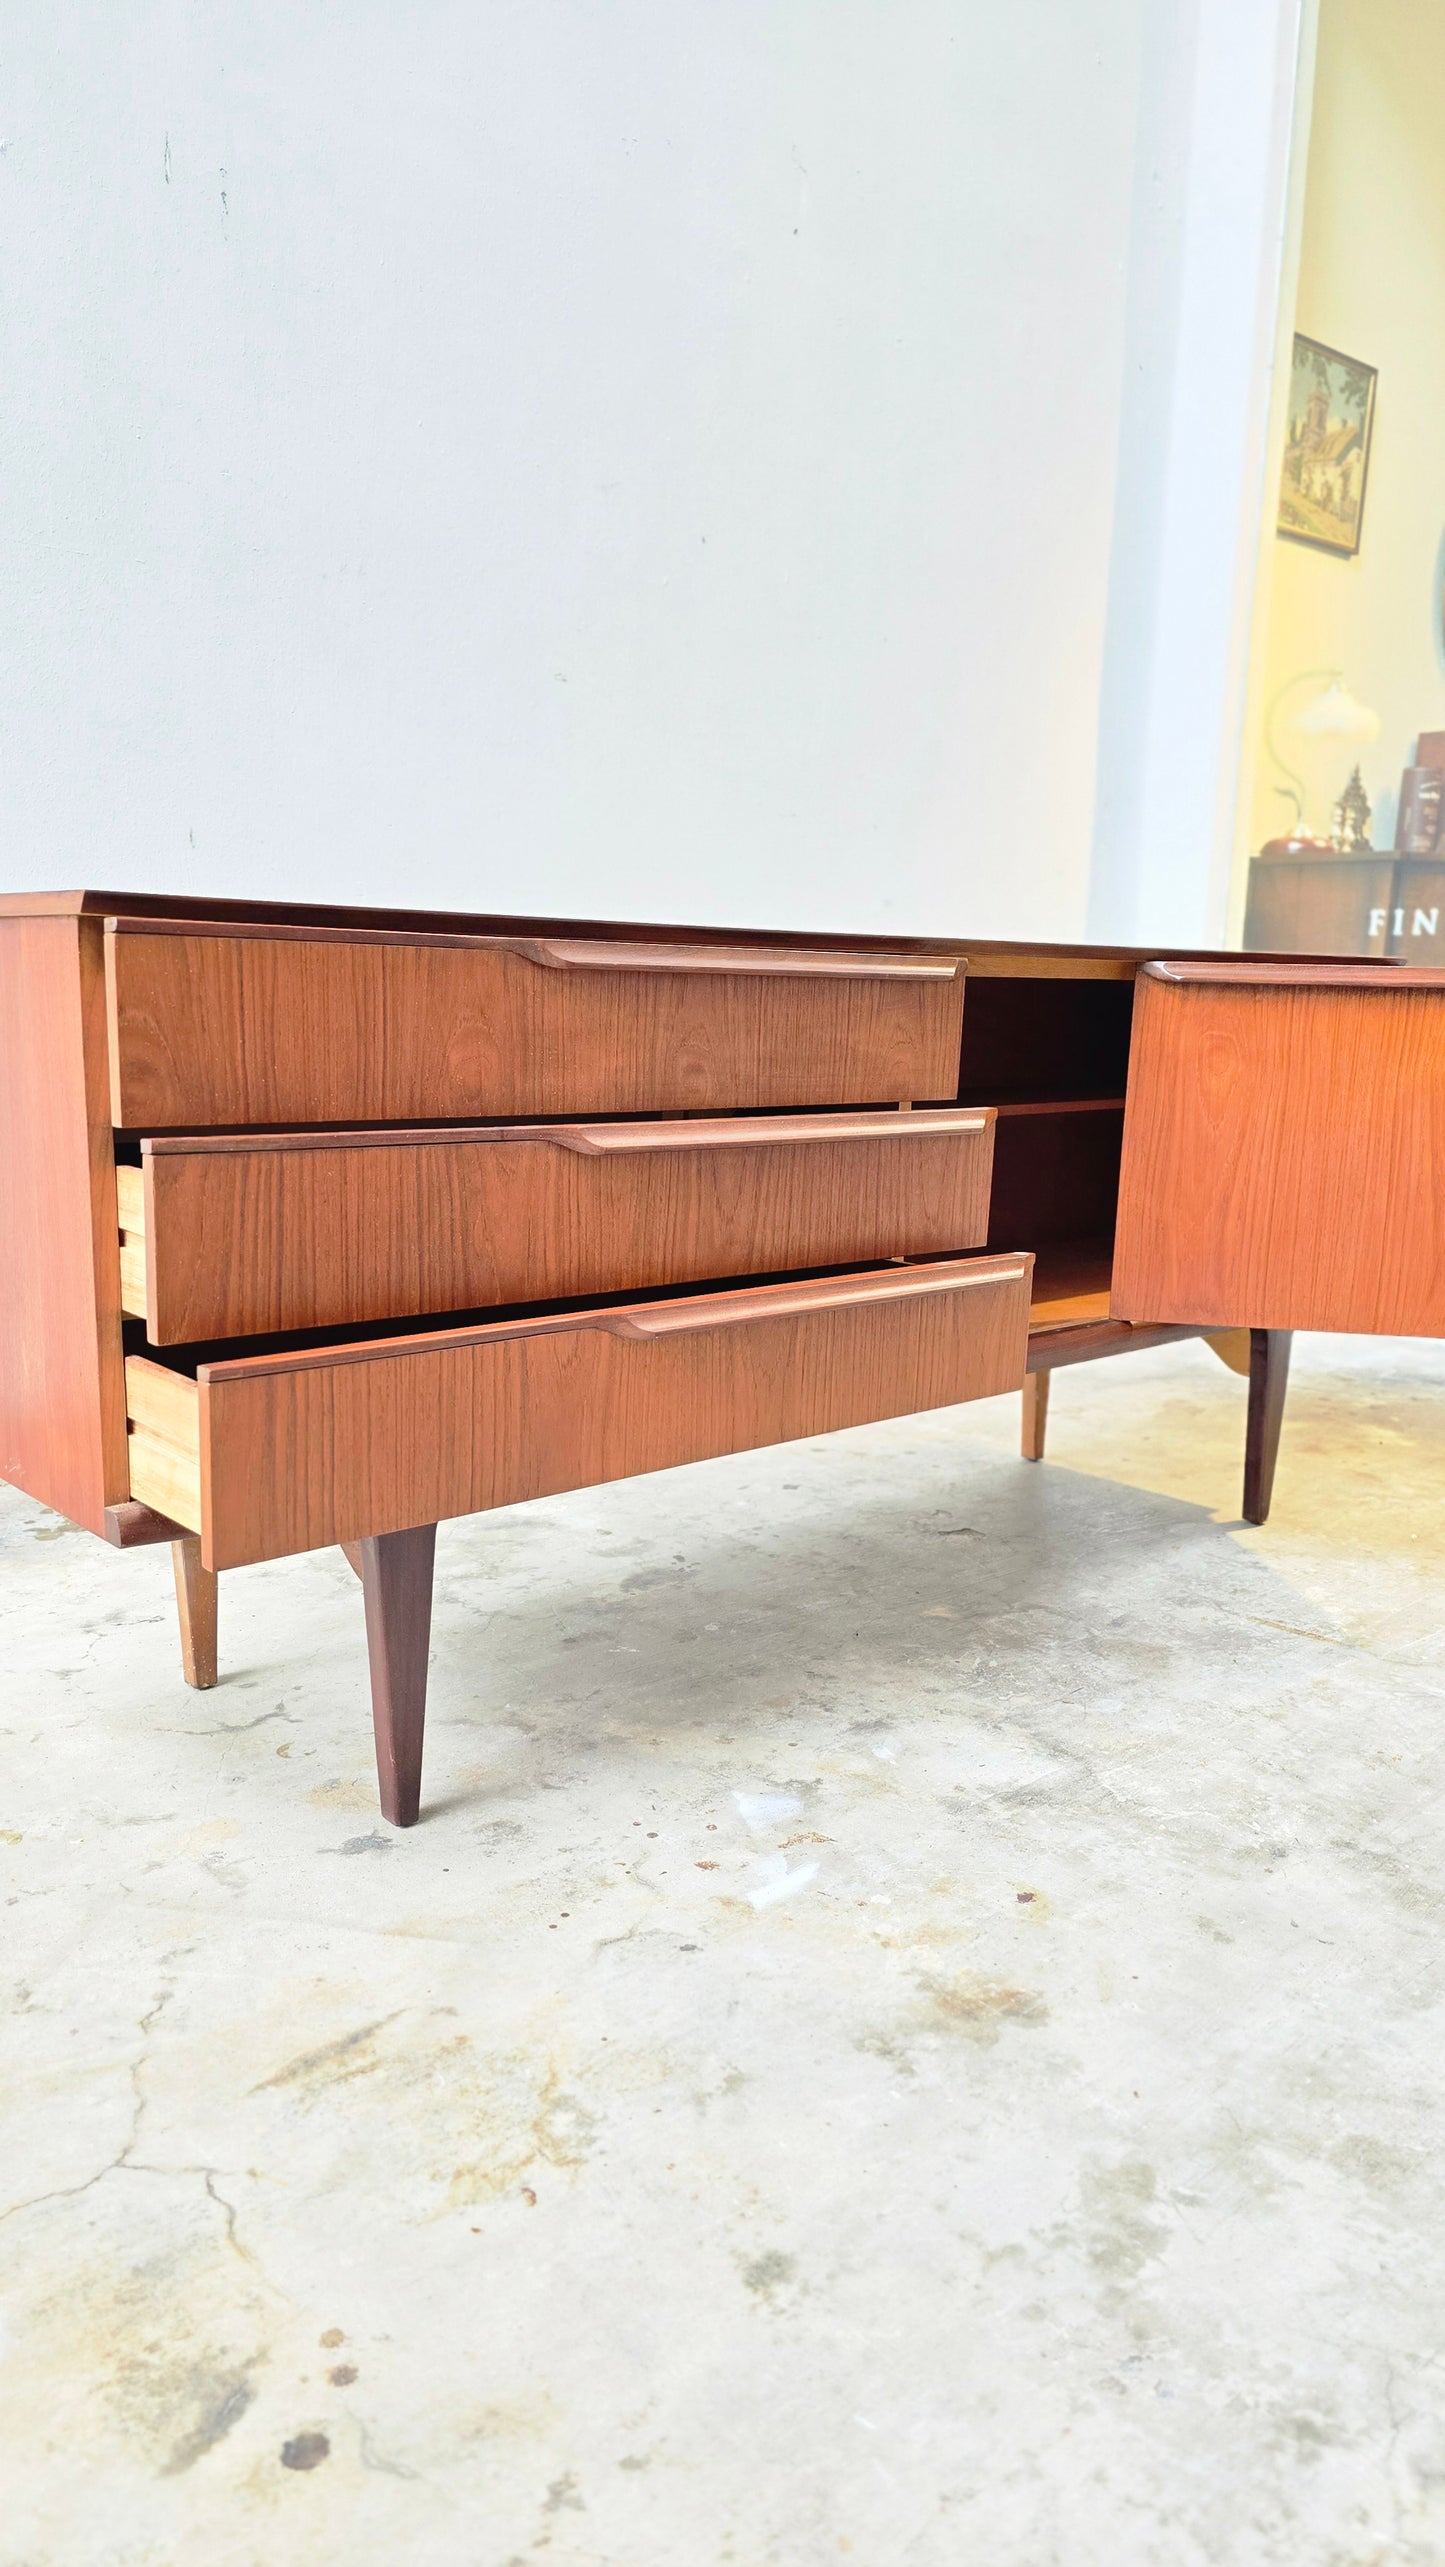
1284, 1148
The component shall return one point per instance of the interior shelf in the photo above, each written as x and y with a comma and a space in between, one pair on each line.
1062, 1105
1071, 1283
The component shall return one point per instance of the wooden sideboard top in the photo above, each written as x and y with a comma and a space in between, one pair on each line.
987, 957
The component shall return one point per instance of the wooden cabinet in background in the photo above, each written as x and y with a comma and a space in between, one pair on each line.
1373, 905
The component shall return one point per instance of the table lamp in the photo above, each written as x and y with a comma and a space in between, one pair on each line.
1332, 714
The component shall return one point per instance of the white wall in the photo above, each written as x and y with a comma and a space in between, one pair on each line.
638, 457
1218, 196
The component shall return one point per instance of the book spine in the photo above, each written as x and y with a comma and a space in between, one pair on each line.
1417, 830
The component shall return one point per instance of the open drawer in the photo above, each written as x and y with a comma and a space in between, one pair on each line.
239, 1234
1284, 1148
284, 1452
219, 1024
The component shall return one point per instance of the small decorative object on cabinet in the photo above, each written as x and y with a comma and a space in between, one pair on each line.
324, 1224
1327, 447
1308, 898
1351, 834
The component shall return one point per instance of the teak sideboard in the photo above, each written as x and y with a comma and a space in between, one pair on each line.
322, 1225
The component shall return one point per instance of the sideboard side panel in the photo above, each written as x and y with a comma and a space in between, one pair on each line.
62, 1386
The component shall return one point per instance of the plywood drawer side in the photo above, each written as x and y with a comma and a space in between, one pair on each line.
130, 1212
163, 1408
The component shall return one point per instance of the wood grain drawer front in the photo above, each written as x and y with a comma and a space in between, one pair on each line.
287, 1452
1284, 1149
238, 1237
252, 1026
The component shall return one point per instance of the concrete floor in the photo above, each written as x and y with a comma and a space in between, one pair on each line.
911, 2029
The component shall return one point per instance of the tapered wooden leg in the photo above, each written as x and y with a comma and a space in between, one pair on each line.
1036, 1416
196, 1589
1269, 1350
396, 1581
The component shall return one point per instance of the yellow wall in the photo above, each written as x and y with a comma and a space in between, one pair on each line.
1371, 282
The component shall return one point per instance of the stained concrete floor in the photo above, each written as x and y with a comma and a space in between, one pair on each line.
911, 2030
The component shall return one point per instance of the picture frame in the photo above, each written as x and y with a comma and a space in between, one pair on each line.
1327, 447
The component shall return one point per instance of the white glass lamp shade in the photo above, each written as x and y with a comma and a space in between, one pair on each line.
1336, 715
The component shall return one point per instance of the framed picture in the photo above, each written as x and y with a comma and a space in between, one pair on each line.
1327, 447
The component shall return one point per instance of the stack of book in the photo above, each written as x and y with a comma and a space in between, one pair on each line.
1422, 794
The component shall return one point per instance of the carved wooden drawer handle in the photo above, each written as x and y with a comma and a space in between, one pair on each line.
780, 1301
739, 962
760, 1132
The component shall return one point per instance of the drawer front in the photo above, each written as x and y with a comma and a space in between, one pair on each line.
283, 1453
257, 1027
236, 1237
1284, 1149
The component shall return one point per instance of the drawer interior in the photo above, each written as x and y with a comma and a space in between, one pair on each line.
184, 1362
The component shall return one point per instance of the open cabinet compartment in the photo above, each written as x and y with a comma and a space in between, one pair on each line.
1050, 1037
1051, 1054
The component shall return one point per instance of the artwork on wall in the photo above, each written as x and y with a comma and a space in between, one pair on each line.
1327, 447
